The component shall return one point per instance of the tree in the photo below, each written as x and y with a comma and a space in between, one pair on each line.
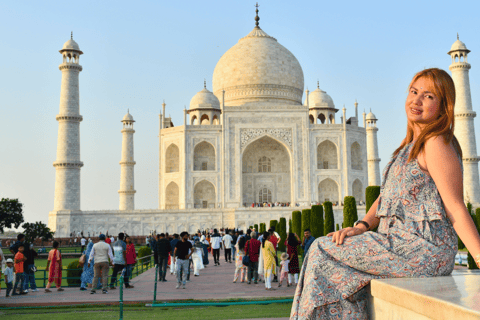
37, 230
371, 195
290, 227
262, 228
297, 222
316, 221
11, 213
337, 227
256, 227
273, 224
306, 214
329, 218
350, 215
282, 231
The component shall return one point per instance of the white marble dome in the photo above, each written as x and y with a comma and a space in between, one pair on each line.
128, 117
319, 99
370, 116
204, 99
71, 45
458, 45
258, 69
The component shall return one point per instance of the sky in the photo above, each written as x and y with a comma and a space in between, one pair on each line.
137, 54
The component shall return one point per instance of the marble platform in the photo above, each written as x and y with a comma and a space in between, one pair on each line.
451, 297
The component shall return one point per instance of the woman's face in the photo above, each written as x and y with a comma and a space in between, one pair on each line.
422, 105
127, 240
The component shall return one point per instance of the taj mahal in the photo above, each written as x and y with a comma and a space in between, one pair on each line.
226, 157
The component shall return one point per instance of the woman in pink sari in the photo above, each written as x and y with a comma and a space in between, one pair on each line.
54, 268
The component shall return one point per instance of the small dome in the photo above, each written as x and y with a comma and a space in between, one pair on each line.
458, 45
128, 117
71, 45
204, 100
371, 116
319, 99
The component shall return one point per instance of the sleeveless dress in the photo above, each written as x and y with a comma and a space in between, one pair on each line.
414, 239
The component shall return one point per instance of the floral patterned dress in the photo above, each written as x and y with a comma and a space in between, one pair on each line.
414, 239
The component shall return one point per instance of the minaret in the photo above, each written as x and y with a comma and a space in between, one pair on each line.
464, 127
127, 191
68, 164
372, 150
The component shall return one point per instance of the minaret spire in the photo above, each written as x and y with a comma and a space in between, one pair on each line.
257, 18
204, 83
458, 38
318, 84
71, 35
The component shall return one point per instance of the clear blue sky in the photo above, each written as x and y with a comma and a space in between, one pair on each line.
138, 53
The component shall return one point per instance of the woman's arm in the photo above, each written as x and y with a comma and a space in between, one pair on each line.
444, 167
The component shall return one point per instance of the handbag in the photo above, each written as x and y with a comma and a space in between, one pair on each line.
82, 259
245, 260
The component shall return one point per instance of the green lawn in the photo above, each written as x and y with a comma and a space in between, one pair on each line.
142, 312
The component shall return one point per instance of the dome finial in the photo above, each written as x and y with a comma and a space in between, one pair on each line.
318, 84
257, 18
71, 35
128, 110
204, 83
458, 36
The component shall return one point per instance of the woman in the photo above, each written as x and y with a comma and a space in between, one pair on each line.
292, 242
205, 245
54, 268
131, 256
417, 213
197, 258
87, 274
269, 265
240, 268
209, 243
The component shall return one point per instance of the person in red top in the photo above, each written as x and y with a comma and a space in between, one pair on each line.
252, 250
131, 257
107, 240
19, 276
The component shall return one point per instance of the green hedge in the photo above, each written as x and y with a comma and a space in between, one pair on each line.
262, 228
371, 195
256, 228
143, 252
350, 215
476, 219
316, 221
337, 228
282, 231
273, 224
329, 225
74, 273
306, 215
290, 227
297, 222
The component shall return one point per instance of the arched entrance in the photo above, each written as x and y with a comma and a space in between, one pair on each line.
266, 173
204, 195
328, 191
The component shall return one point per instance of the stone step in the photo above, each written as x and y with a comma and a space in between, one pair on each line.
451, 297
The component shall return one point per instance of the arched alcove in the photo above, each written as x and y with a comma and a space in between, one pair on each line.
328, 191
194, 121
204, 120
356, 156
204, 195
215, 120
357, 190
312, 119
204, 157
322, 118
327, 155
172, 159
172, 196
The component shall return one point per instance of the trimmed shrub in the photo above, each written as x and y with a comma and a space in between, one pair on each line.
306, 215
329, 225
290, 228
273, 223
256, 228
371, 195
469, 208
251, 227
460, 244
477, 218
337, 227
282, 231
316, 221
74, 273
296, 222
350, 215
143, 252
262, 228
471, 262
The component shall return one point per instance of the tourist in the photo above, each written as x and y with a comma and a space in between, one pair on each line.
182, 256
3, 263
274, 238
108, 240
216, 243
197, 258
419, 212
112, 239
240, 268
9, 276
227, 245
307, 241
252, 250
54, 268
234, 236
131, 259
120, 260
292, 242
284, 269
161, 253
20, 241
83, 242
205, 246
30, 269
173, 243
269, 265
19, 260
101, 252
87, 274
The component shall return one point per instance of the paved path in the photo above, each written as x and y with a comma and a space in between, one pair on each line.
213, 283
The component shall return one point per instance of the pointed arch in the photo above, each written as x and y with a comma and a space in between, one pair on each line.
331, 118
215, 120
172, 158
328, 191
322, 118
327, 155
204, 195
357, 190
356, 156
194, 121
312, 119
172, 196
204, 157
205, 120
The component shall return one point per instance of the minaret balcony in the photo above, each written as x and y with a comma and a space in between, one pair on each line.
64, 117
72, 66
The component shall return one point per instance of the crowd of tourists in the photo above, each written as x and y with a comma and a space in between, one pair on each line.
254, 256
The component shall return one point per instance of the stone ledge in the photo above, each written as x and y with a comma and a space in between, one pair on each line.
451, 297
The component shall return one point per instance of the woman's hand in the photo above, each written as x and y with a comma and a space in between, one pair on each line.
339, 235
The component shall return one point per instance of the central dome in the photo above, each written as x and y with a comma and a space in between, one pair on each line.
258, 69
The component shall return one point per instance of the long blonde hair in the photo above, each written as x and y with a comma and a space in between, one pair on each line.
444, 89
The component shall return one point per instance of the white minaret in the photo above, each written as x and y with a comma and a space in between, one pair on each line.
372, 150
464, 127
68, 164
127, 191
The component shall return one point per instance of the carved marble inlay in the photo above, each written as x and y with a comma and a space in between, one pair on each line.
247, 135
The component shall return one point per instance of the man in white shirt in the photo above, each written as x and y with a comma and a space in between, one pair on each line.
83, 242
101, 251
227, 244
216, 243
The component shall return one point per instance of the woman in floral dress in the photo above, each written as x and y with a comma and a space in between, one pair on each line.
240, 268
419, 212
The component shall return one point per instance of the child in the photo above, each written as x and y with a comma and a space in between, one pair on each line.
9, 276
19, 276
284, 269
